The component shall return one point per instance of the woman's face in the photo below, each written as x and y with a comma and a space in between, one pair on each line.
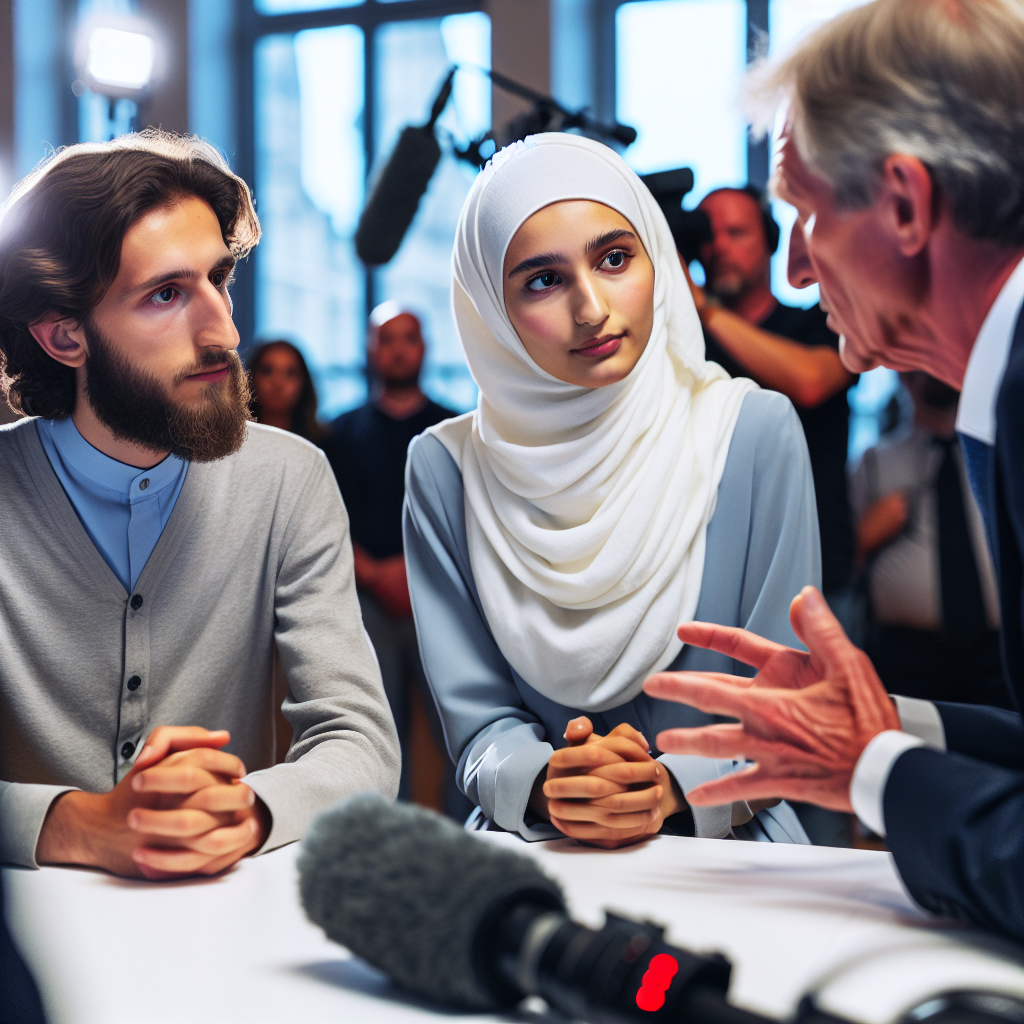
579, 290
277, 381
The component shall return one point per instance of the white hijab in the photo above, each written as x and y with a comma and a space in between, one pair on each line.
586, 508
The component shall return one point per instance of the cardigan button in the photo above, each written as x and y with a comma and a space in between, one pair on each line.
134, 683
137, 602
127, 750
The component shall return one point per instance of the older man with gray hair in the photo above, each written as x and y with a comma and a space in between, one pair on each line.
903, 153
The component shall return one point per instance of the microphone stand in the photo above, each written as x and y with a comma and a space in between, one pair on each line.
545, 110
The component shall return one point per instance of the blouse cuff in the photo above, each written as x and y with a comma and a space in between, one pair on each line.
513, 784
690, 771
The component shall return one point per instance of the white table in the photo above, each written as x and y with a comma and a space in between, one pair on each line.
792, 919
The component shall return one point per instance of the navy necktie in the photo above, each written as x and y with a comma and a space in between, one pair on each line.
963, 607
978, 460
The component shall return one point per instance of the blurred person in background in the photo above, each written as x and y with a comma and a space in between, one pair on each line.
933, 604
367, 450
787, 349
283, 393
283, 396
790, 350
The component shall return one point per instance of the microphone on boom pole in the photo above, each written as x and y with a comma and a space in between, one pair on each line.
399, 187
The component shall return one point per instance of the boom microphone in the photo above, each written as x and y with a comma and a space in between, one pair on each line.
480, 927
400, 186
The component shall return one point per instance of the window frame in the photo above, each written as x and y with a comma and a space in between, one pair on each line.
253, 26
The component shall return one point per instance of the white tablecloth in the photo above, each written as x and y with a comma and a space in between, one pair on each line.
792, 919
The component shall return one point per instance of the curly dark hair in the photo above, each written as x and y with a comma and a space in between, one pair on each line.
61, 236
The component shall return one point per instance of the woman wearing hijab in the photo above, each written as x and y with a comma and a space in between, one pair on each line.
610, 484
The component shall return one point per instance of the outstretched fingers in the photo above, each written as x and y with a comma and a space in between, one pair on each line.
713, 692
751, 784
820, 631
737, 643
717, 741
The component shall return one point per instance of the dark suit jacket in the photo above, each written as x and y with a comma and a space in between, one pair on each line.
955, 821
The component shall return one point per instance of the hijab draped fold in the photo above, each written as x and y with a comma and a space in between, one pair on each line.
586, 508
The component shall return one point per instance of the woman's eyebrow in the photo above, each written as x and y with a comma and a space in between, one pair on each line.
547, 258
534, 262
609, 236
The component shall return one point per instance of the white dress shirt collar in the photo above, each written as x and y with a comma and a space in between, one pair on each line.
977, 414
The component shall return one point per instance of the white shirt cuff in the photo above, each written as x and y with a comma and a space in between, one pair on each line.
921, 718
867, 787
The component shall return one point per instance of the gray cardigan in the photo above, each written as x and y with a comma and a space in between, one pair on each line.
255, 550
762, 547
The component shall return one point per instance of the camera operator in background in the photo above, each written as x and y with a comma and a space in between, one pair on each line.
787, 349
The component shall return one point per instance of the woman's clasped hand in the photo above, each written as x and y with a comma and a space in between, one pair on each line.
606, 791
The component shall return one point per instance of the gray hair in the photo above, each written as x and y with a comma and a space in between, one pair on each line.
941, 80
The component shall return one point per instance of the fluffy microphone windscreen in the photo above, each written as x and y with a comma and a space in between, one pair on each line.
411, 892
396, 195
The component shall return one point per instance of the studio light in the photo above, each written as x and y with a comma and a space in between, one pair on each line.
119, 59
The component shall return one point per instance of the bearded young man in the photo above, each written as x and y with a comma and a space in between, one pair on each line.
156, 543
903, 154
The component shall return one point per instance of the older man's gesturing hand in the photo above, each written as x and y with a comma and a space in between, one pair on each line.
804, 718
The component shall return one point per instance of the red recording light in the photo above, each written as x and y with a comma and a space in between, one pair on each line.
657, 978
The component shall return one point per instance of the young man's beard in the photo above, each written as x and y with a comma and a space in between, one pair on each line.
135, 406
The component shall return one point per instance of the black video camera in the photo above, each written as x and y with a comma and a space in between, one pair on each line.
690, 228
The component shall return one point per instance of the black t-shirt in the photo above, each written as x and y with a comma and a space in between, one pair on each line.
827, 428
367, 451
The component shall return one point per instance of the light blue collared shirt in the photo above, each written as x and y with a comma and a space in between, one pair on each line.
124, 509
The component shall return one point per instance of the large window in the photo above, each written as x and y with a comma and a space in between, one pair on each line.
413, 58
789, 22
679, 68
312, 146
309, 187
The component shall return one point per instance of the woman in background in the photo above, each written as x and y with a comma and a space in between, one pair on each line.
283, 392
283, 396
610, 484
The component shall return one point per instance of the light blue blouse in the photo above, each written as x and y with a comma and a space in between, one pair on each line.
762, 548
